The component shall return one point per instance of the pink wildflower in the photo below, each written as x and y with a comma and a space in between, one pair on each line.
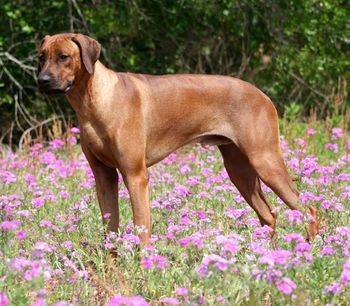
294, 216
57, 143
38, 202
21, 235
286, 285
332, 146
345, 276
337, 133
75, 130
182, 291
9, 225
4, 301
311, 132
119, 300
170, 301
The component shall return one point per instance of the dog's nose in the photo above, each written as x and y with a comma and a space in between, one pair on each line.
44, 79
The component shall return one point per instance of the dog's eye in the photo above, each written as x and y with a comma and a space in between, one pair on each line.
41, 58
63, 57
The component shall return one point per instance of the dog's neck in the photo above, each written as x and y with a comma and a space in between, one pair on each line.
88, 86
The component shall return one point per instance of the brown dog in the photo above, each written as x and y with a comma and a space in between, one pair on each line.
132, 121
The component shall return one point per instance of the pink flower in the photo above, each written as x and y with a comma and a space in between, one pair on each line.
9, 225
170, 301
327, 250
294, 164
277, 257
335, 288
30, 179
147, 263
235, 213
300, 142
119, 300
72, 140
44, 246
345, 276
150, 261
195, 241
294, 216
185, 169
32, 273
57, 143
263, 232
38, 202
207, 172
61, 303
24, 213
337, 133
326, 204
303, 247
4, 301
294, 237
21, 235
182, 191
67, 245
332, 146
45, 223
216, 261
64, 194
75, 130
160, 261
109, 245
182, 291
106, 215
39, 302
8, 177
286, 285
311, 132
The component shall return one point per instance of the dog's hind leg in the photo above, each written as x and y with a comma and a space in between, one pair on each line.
244, 177
270, 167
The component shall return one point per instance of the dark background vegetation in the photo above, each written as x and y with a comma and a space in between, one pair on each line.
296, 51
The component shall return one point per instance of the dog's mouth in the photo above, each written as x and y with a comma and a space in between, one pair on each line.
52, 91
68, 87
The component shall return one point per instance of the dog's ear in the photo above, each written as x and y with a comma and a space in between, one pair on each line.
89, 50
43, 40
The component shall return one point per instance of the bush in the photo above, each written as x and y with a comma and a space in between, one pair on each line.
296, 51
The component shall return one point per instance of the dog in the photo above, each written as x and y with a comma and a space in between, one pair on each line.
130, 122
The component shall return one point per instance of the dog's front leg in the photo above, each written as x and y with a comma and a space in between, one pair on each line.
137, 185
107, 190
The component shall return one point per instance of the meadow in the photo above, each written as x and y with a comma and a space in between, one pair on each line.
208, 246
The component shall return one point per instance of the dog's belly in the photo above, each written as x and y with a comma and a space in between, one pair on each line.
160, 152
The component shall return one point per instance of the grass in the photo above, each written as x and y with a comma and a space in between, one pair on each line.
208, 247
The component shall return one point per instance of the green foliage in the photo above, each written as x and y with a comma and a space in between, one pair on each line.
295, 51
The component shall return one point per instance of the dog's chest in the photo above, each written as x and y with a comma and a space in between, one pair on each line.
98, 141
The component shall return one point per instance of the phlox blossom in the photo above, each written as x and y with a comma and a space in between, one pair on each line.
119, 300
170, 301
337, 133
4, 301
286, 285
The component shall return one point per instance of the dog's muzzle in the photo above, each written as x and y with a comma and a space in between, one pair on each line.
48, 85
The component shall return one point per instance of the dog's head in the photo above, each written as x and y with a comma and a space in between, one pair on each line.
63, 58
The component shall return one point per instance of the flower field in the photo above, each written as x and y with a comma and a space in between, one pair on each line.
208, 246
